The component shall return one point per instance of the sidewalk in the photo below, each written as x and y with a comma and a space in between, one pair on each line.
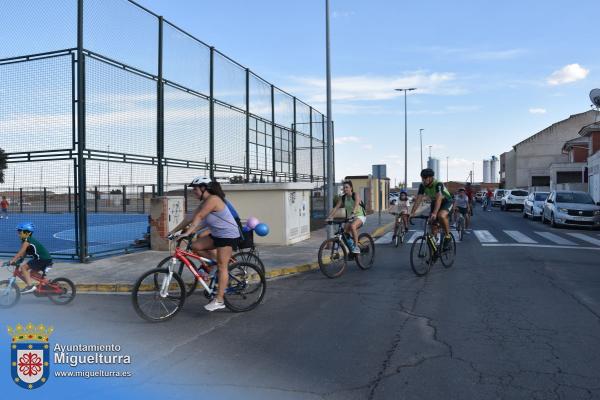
119, 273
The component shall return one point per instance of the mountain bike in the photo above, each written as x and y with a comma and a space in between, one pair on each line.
60, 291
427, 249
335, 253
401, 231
190, 280
159, 294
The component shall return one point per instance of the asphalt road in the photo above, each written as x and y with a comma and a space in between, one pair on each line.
512, 319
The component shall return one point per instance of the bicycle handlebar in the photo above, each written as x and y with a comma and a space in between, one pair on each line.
339, 221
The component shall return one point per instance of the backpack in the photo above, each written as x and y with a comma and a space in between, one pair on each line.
362, 203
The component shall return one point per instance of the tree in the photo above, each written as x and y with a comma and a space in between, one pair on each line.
2, 165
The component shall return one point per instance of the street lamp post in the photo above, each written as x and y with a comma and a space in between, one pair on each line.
405, 136
330, 168
421, 145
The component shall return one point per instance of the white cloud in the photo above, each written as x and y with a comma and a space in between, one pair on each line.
346, 139
568, 74
537, 110
342, 14
370, 88
495, 55
367, 146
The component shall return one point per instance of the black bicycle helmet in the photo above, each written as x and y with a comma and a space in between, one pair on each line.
427, 172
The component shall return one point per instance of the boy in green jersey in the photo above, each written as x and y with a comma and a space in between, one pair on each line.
40, 257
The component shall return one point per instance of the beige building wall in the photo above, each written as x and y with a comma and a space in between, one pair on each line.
535, 154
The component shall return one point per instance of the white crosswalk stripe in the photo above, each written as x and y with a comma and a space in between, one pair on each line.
385, 239
556, 239
520, 237
585, 238
414, 237
485, 236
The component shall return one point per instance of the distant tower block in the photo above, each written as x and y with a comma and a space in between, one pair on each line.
494, 170
486, 171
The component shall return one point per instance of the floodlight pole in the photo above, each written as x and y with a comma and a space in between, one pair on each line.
405, 135
330, 174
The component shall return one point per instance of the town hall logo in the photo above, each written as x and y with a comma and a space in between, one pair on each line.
30, 355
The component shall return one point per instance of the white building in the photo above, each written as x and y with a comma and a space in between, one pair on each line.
539, 160
434, 164
486, 171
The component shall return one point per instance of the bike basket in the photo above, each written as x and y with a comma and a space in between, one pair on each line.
248, 241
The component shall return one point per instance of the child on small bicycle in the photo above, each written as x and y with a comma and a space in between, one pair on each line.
40, 257
400, 209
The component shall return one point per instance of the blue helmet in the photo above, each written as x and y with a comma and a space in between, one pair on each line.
26, 226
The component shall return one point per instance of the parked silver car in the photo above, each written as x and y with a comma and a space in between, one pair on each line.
534, 204
571, 208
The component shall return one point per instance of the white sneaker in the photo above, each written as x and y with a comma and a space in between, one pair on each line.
214, 305
356, 250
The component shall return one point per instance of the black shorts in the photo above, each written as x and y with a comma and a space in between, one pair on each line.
446, 205
462, 210
225, 242
39, 265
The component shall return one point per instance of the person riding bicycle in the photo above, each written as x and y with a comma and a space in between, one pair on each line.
40, 257
463, 206
401, 210
469, 193
354, 207
224, 231
200, 180
441, 202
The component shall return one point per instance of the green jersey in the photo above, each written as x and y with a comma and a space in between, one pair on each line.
435, 188
36, 250
350, 203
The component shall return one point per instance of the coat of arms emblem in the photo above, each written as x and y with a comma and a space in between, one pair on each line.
30, 355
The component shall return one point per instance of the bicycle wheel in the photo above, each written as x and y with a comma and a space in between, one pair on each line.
248, 256
460, 229
9, 294
332, 258
247, 286
420, 256
366, 258
447, 257
149, 303
68, 291
189, 279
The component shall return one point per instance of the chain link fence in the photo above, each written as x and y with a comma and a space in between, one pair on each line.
121, 105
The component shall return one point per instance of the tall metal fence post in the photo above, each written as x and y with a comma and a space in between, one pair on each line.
185, 199
211, 122
247, 125
69, 200
310, 129
81, 178
21, 200
327, 202
160, 125
96, 196
45, 200
124, 199
273, 133
294, 146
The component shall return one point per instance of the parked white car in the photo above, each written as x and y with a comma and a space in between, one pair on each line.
534, 204
497, 197
513, 198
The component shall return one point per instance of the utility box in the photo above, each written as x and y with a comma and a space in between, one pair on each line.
285, 207
165, 214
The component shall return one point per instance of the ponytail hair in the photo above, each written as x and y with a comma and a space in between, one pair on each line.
215, 188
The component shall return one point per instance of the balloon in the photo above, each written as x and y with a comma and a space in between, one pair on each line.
252, 222
262, 229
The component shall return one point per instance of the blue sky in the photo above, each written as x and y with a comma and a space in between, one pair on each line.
485, 68
489, 73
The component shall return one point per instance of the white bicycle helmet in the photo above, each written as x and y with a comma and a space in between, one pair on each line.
200, 181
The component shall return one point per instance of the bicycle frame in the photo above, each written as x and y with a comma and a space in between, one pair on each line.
45, 287
184, 256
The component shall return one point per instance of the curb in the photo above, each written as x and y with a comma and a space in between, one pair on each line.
274, 273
